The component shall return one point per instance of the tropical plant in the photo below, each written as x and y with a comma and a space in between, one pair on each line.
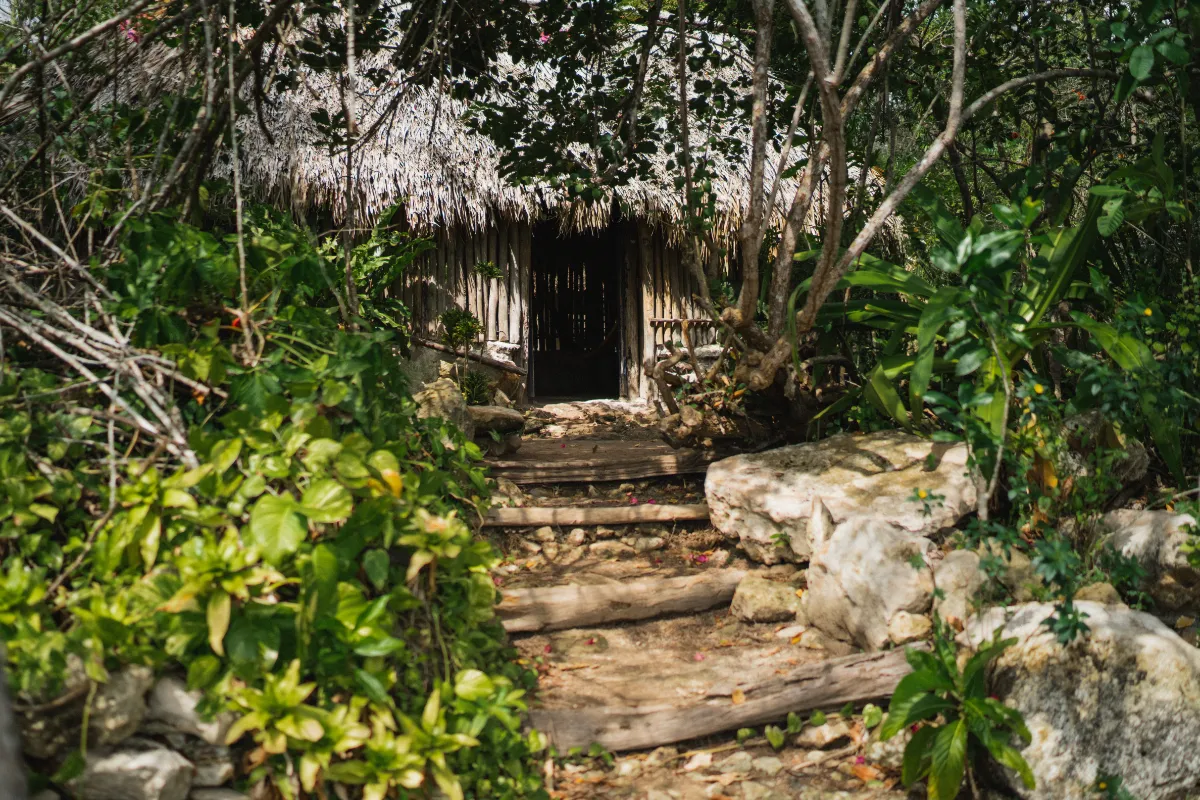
953, 719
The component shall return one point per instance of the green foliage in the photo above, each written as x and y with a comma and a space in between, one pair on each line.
952, 718
460, 328
476, 388
315, 572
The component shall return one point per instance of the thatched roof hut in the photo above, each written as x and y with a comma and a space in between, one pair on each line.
587, 291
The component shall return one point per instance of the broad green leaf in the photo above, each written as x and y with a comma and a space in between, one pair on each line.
948, 761
883, 395
775, 736
277, 528
940, 309
1113, 217
376, 563
970, 361
220, 605
1141, 62
1165, 433
325, 579
1175, 53
224, 454
327, 500
473, 685
916, 755
1010, 757
872, 715
374, 688
1129, 352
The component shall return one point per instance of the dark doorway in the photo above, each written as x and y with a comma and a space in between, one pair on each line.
576, 321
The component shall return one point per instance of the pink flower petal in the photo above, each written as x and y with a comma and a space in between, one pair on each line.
860, 760
699, 656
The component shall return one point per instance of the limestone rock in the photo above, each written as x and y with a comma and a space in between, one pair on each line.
1122, 700
50, 729
905, 628
550, 550
769, 766
1103, 593
496, 418
144, 774
576, 537
766, 498
959, 578
647, 544
820, 737
173, 705
442, 399
610, 548
760, 600
1156, 540
545, 534
862, 575
741, 761
568, 557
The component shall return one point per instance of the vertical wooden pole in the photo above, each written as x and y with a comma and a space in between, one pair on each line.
646, 280
631, 317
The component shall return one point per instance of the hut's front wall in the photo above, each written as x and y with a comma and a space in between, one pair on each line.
657, 297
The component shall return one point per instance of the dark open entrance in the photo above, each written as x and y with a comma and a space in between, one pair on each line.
575, 326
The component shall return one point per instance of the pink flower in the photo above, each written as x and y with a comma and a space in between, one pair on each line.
547, 648
698, 656
633, 501
651, 502
860, 760
131, 34
701, 559
545, 37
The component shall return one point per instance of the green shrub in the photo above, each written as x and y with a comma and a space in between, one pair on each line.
316, 572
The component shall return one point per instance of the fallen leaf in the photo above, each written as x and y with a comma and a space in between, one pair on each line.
799, 593
738, 697
591, 641
1184, 622
698, 761
865, 772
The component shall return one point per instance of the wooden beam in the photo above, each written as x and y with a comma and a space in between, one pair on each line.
491, 362
829, 684
593, 515
555, 608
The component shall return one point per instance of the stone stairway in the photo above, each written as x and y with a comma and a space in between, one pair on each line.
664, 684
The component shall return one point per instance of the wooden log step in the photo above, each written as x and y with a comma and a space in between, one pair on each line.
535, 516
553, 608
593, 461
832, 683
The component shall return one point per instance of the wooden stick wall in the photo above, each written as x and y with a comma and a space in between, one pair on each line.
657, 297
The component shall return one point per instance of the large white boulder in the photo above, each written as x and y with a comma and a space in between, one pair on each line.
442, 399
766, 498
1157, 539
1123, 700
865, 577
152, 773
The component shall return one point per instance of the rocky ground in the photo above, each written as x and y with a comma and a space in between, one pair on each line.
672, 658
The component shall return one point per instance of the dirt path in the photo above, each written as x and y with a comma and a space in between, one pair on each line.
670, 661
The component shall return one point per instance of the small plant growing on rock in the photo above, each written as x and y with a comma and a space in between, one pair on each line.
952, 717
460, 328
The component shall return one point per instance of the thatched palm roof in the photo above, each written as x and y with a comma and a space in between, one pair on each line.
428, 158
